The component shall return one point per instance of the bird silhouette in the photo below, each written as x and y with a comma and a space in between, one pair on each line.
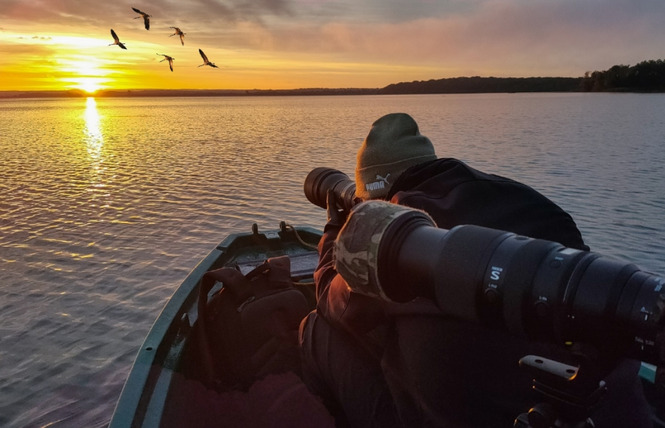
178, 32
117, 40
205, 60
170, 59
146, 17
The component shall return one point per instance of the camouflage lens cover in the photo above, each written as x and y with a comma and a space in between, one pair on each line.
357, 245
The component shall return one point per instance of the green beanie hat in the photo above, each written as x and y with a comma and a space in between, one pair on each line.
392, 145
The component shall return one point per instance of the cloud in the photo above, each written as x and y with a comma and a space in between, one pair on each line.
504, 37
95, 13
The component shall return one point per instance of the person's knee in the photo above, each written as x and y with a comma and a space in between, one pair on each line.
310, 372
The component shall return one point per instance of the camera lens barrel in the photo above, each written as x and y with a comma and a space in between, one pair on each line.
537, 289
546, 292
320, 180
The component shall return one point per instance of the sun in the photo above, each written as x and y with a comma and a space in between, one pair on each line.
89, 85
84, 74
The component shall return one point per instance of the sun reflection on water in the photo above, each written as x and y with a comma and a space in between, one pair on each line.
93, 130
93, 133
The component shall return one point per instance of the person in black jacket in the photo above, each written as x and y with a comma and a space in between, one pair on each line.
380, 363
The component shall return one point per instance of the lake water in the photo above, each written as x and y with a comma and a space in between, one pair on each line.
106, 204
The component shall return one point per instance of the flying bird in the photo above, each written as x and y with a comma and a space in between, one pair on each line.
146, 17
117, 40
178, 32
205, 60
170, 59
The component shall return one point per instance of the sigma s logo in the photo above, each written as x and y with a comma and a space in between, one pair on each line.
495, 273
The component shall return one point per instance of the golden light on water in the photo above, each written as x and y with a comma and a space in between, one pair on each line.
94, 138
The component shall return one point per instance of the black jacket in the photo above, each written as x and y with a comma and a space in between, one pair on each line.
453, 193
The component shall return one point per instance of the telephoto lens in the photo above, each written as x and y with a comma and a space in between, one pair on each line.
533, 288
320, 180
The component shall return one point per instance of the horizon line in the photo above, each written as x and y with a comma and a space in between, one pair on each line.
75, 92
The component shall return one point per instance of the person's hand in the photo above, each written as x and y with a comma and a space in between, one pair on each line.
336, 216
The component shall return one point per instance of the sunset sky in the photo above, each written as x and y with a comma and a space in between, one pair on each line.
286, 44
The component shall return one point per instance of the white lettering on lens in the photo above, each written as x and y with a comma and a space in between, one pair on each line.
496, 273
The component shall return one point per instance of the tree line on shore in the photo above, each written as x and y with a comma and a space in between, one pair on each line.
477, 84
646, 76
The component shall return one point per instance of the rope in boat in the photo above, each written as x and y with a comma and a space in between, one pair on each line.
295, 231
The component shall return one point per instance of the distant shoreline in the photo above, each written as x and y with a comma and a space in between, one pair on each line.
147, 93
645, 77
455, 85
128, 93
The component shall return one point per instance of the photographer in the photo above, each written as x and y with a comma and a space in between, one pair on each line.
380, 363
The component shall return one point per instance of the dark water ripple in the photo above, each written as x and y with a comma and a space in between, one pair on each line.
107, 204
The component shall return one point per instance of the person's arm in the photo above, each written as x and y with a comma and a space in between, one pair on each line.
356, 313
325, 271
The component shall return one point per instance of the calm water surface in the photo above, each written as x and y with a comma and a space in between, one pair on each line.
108, 203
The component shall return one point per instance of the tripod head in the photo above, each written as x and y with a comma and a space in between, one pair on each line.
570, 394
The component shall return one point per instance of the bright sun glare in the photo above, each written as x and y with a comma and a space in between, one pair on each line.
84, 73
89, 84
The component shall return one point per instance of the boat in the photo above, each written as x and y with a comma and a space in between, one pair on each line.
163, 377
167, 388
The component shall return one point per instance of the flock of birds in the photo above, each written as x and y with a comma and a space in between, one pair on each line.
178, 32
